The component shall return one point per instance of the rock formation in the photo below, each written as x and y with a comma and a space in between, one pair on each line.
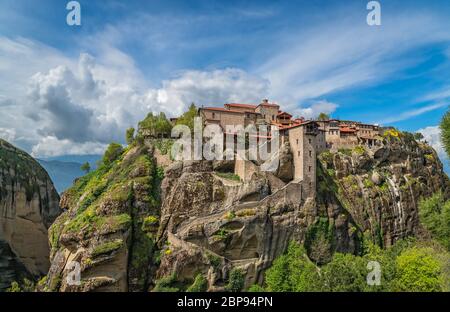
28, 206
129, 229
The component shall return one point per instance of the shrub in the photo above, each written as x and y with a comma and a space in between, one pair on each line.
229, 175
112, 153
200, 284
292, 271
236, 280
418, 270
107, 247
166, 284
434, 214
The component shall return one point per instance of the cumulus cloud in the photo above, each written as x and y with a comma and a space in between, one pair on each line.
7, 134
433, 136
52, 146
316, 108
79, 107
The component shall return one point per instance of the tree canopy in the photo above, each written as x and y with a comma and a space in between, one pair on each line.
187, 118
445, 132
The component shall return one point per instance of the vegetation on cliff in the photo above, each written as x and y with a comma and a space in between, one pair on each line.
113, 208
409, 265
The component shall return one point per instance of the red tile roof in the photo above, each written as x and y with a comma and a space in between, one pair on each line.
284, 113
241, 105
221, 109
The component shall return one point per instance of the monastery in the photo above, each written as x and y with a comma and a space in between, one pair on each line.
307, 138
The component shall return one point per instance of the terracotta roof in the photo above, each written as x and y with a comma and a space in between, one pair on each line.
284, 113
221, 109
347, 130
241, 105
268, 105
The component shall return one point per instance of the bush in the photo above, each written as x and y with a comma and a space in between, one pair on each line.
418, 270
434, 214
292, 271
166, 284
129, 136
112, 153
155, 126
200, 284
236, 280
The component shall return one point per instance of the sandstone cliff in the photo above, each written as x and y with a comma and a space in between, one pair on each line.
28, 206
131, 230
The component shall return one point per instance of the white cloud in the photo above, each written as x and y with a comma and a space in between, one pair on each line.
433, 136
7, 134
413, 113
315, 109
51, 146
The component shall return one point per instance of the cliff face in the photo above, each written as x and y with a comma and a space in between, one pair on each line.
109, 226
132, 230
28, 206
381, 188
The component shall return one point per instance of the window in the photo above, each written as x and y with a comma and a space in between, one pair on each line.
310, 154
309, 140
214, 115
273, 117
297, 141
298, 153
309, 169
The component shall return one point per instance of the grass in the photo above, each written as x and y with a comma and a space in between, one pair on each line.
229, 176
107, 247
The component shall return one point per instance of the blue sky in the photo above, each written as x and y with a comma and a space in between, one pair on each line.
71, 90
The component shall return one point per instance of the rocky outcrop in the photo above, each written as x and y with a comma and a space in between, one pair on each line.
28, 206
381, 187
105, 239
211, 225
130, 229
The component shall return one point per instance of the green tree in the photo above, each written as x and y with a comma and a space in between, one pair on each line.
130, 135
292, 271
323, 116
200, 284
86, 167
418, 136
434, 214
113, 152
418, 270
445, 132
236, 280
155, 126
187, 118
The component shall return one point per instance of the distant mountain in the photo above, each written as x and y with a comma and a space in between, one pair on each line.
63, 170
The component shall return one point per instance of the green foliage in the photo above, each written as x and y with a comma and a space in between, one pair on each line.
235, 281
407, 266
319, 241
323, 116
199, 285
25, 286
418, 136
166, 284
164, 145
113, 152
256, 288
129, 136
418, 270
107, 247
187, 118
360, 150
434, 214
345, 151
229, 176
86, 167
292, 271
445, 131
155, 126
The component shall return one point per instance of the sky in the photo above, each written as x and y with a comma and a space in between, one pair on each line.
74, 89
